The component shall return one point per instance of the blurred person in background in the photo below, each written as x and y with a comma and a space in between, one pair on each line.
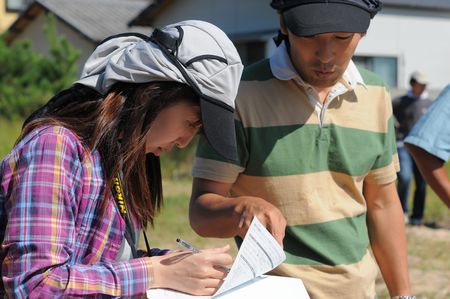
317, 158
408, 109
429, 144
84, 178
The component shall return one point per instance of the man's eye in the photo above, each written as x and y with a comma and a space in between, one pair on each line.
344, 37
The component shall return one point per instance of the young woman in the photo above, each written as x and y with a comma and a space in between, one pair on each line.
84, 176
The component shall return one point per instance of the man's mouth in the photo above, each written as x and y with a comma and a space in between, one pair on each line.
323, 74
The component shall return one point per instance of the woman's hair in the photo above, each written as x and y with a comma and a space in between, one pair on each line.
116, 126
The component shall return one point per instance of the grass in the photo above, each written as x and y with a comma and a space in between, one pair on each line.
436, 259
173, 221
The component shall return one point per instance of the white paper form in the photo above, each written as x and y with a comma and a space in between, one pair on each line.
261, 287
258, 254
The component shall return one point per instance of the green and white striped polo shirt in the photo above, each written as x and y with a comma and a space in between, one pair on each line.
312, 164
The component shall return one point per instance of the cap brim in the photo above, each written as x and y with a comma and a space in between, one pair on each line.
317, 18
218, 125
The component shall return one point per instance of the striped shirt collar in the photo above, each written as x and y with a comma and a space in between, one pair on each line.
282, 69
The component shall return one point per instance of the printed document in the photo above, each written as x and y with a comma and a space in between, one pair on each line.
258, 254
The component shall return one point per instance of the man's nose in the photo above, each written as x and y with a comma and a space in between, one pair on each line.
325, 51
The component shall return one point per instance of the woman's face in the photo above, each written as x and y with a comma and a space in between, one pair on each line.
175, 125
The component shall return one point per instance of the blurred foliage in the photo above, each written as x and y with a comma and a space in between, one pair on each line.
28, 78
177, 164
10, 130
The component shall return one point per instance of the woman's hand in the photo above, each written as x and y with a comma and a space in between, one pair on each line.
193, 273
269, 216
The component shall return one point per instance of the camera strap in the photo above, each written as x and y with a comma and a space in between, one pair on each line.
119, 197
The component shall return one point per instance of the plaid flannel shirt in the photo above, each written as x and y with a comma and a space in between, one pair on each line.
56, 240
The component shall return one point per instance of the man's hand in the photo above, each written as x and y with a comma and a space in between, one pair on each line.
213, 214
267, 214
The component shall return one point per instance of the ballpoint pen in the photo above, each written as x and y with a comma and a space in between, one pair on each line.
187, 245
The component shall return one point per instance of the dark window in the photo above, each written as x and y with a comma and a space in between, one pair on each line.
385, 67
251, 51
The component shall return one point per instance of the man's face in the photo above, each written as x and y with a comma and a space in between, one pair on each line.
321, 59
418, 88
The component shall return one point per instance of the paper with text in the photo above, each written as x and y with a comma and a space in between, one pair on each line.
258, 254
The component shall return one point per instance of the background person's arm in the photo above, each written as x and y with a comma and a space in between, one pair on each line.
213, 214
387, 235
433, 170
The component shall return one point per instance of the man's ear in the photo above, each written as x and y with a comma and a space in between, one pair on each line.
283, 27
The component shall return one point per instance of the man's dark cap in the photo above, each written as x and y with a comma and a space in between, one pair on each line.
311, 17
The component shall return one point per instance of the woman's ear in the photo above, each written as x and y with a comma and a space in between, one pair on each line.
283, 27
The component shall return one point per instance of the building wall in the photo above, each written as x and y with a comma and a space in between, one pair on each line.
36, 34
419, 39
236, 17
6, 18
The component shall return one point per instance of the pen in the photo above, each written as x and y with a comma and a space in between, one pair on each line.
187, 245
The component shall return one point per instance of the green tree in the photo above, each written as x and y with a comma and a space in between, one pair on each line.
28, 79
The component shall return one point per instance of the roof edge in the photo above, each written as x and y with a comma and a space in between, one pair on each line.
31, 13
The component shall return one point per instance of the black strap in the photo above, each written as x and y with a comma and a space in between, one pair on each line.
130, 237
167, 41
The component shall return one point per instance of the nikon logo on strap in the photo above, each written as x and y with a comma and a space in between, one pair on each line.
118, 196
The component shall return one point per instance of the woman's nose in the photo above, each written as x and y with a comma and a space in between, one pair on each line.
184, 140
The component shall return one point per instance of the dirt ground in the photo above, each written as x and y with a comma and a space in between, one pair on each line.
429, 263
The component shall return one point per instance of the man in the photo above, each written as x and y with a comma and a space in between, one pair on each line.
407, 111
429, 144
317, 153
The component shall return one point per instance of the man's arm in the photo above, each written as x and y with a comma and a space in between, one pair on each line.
433, 170
213, 214
387, 235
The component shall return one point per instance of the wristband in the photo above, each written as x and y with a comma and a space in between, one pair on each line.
404, 297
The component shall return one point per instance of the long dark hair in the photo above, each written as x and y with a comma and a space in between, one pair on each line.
124, 115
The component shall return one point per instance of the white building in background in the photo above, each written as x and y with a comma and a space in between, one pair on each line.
407, 35
404, 38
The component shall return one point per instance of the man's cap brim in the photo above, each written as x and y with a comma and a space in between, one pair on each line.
317, 18
219, 128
